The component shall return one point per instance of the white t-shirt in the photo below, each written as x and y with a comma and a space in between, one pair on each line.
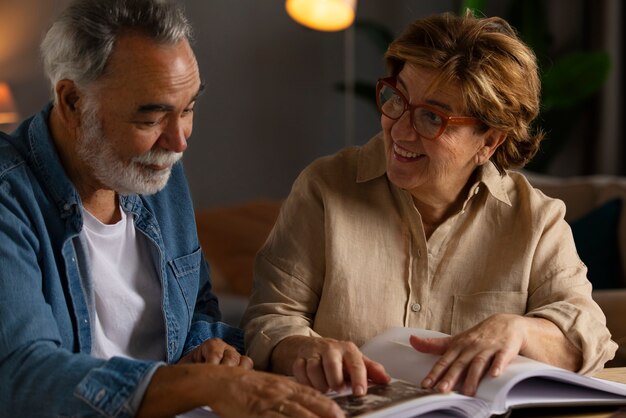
128, 318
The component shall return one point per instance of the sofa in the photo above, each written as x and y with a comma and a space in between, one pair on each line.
231, 235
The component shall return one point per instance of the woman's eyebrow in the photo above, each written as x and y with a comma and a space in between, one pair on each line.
431, 102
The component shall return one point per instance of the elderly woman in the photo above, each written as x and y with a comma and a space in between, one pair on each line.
424, 226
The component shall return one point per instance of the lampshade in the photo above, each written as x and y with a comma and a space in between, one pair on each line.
324, 15
8, 112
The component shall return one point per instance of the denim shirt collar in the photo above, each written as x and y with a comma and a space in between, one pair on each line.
47, 166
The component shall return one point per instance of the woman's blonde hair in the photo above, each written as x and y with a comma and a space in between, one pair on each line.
496, 72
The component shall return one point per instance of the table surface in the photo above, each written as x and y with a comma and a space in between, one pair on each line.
616, 374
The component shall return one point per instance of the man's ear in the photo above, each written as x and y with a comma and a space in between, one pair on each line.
493, 138
68, 102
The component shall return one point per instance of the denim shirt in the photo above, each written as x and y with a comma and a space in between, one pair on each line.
46, 295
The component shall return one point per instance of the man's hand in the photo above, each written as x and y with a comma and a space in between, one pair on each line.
216, 351
247, 393
323, 363
232, 392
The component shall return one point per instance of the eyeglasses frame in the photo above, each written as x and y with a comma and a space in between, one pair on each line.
446, 119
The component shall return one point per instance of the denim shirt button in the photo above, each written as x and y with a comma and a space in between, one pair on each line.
67, 206
100, 395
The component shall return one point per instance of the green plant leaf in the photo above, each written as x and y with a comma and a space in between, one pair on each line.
474, 5
574, 78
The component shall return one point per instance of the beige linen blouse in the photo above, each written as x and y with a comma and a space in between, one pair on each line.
348, 259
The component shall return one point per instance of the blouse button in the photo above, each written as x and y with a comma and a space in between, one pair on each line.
416, 307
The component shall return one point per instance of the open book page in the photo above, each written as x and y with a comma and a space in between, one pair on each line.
525, 382
392, 349
204, 412
401, 399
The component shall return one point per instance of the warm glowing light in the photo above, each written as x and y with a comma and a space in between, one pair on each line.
325, 15
8, 112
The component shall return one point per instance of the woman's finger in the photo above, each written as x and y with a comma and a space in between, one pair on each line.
332, 363
353, 362
299, 372
315, 373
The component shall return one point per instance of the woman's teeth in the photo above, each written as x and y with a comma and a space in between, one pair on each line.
404, 153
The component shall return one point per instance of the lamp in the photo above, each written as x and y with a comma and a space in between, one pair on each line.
8, 111
324, 15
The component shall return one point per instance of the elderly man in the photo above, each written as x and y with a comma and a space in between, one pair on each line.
105, 301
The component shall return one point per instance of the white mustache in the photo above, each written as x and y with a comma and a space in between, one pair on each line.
158, 157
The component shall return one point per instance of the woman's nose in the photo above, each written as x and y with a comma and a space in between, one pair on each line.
403, 127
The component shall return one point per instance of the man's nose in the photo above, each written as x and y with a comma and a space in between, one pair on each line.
174, 138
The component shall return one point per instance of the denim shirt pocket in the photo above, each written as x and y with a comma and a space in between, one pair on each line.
185, 270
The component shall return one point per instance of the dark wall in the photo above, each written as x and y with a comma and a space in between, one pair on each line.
270, 106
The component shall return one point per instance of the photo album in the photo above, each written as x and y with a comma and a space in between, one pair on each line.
525, 383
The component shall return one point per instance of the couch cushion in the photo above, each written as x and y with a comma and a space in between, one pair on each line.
597, 243
230, 237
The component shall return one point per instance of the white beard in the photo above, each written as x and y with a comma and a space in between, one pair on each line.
124, 177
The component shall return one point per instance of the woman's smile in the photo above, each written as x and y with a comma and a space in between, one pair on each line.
404, 155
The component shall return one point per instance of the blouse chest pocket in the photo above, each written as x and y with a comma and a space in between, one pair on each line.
186, 274
469, 310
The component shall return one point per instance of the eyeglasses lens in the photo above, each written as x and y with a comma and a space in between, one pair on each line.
392, 104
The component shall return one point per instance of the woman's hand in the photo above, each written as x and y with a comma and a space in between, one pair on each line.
487, 347
324, 363
216, 351
490, 346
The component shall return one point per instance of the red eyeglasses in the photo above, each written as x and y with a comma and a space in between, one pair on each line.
428, 121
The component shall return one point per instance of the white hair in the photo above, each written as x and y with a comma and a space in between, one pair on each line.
79, 43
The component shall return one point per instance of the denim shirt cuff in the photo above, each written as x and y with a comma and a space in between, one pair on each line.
137, 397
117, 387
201, 331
